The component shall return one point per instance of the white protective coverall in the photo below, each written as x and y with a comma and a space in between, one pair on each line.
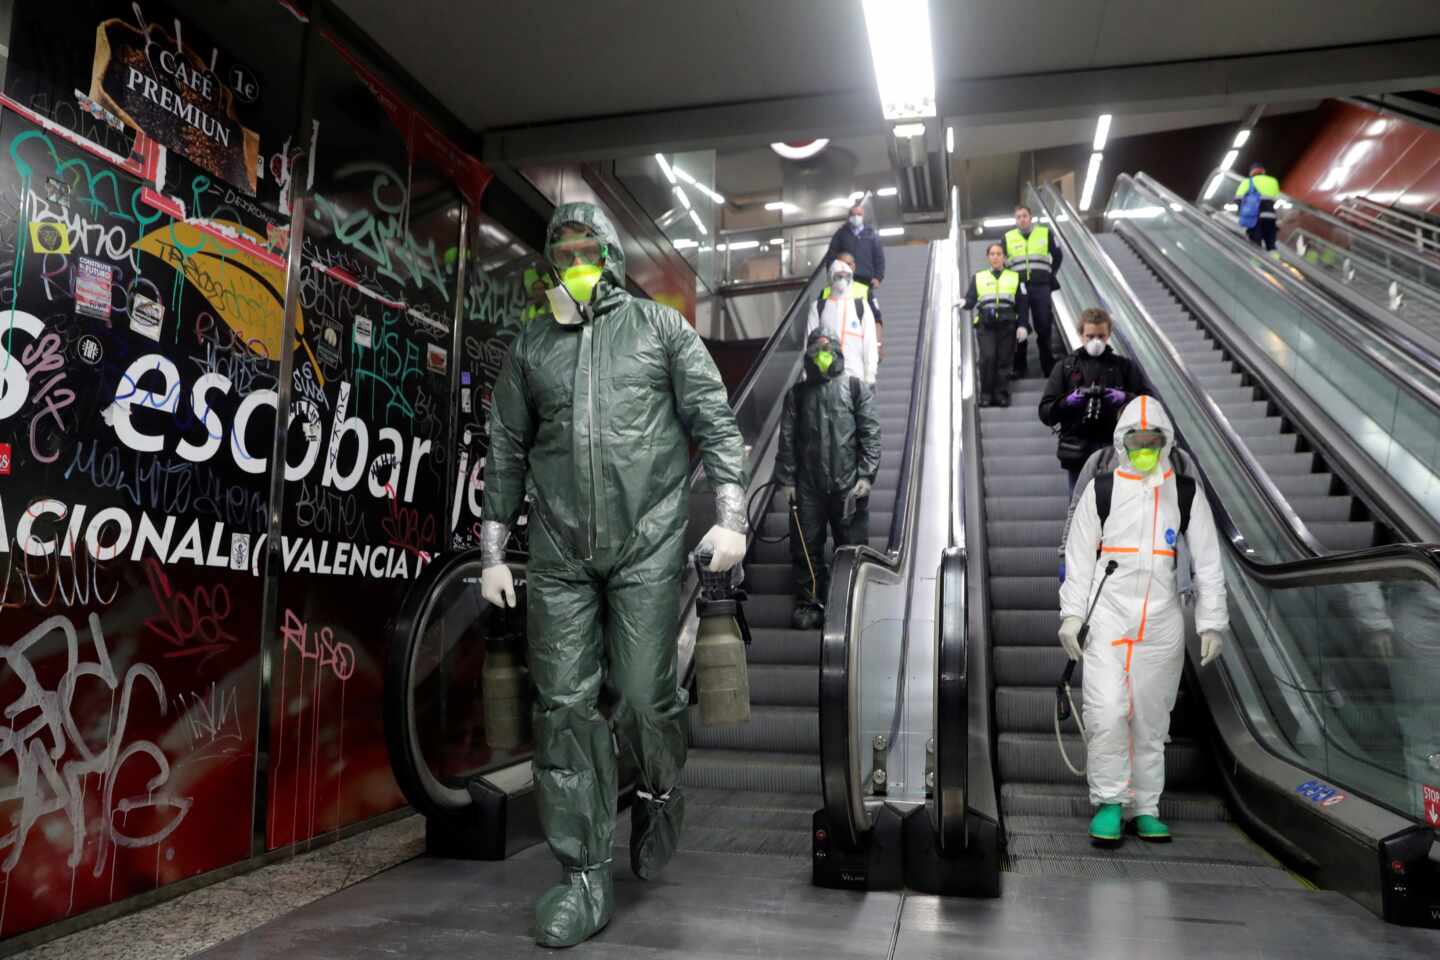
859, 341
1136, 644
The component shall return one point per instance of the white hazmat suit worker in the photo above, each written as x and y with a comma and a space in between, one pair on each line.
1135, 646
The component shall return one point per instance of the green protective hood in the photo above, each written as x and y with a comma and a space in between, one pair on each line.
592, 217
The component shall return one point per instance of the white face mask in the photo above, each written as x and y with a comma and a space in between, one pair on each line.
855, 221
840, 282
563, 306
1095, 346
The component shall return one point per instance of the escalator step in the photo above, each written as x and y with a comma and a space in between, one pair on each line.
1276, 443
1304, 484
1339, 537
1022, 561
1031, 628
1287, 463
1246, 410
1323, 509
756, 771
769, 610
1032, 710
1025, 593
770, 730
1034, 758
1002, 509
785, 647
1028, 533
772, 578
1050, 484
1257, 427
1020, 466
784, 686
1034, 666
1071, 798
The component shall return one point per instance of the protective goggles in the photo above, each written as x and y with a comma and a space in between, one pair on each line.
568, 251
1144, 440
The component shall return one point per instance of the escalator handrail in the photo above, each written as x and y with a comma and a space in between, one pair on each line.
1388, 500
1389, 245
1416, 378
951, 730
840, 779
1272, 500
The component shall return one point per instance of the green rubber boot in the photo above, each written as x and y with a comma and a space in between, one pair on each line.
655, 824
1107, 826
577, 909
1151, 829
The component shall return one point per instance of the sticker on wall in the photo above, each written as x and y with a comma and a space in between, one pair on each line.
436, 359
465, 403
4, 459
464, 378
92, 288
364, 332
1431, 796
327, 346
239, 551
89, 349
47, 236
1320, 793
146, 316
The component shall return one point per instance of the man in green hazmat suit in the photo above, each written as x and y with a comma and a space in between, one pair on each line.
828, 460
594, 413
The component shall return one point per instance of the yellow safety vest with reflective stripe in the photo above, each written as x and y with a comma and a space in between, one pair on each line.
1029, 255
995, 294
1265, 185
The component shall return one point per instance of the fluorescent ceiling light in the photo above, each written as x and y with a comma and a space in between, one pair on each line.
1240, 139
1230, 158
1215, 182
1135, 213
680, 192
1092, 173
887, 191
801, 151
684, 176
991, 223
684, 244
744, 244
900, 50
781, 206
720, 247
777, 241
1102, 131
714, 197
906, 130
838, 202
1175, 206
699, 224
890, 231
949, 139
665, 167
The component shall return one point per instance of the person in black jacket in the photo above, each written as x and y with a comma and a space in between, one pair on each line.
995, 296
829, 456
1086, 392
862, 243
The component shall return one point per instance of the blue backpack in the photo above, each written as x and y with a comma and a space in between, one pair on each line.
1250, 207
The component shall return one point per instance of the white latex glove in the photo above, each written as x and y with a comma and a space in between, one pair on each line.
1021, 333
862, 489
788, 492
498, 585
1211, 643
728, 548
1070, 637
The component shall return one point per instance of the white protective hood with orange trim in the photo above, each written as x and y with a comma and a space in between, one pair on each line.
1136, 643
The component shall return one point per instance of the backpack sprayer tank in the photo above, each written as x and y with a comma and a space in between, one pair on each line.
505, 682
722, 678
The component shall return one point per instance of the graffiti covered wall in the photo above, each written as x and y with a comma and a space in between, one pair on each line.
147, 174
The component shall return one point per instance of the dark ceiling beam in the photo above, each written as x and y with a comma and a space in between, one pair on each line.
1358, 69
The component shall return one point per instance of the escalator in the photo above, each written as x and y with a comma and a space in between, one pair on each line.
1296, 711
752, 788
1045, 807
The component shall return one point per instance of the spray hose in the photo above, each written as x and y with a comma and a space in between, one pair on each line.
766, 489
1064, 701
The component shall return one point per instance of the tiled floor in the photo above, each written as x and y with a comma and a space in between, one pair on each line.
710, 906
189, 924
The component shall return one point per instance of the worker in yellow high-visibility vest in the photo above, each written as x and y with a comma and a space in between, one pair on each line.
1267, 190
1033, 252
995, 296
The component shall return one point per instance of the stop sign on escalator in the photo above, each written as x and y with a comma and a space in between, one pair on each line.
1431, 795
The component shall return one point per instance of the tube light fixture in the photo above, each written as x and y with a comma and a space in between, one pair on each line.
949, 139
781, 206
1135, 213
684, 243
1214, 186
856, 196
665, 167
695, 215
1240, 139
1229, 161
777, 241
803, 151
684, 176
887, 191
994, 223
906, 130
744, 244
838, 202
1092, 173
714, 197
680, 192
900, 50
1102, 131
890, 231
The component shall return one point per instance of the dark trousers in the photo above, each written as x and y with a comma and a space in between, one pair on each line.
997, 354
1263, 233
870, 300
1037, 309
818, 512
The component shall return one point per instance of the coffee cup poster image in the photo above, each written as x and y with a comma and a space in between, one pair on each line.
167, 80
